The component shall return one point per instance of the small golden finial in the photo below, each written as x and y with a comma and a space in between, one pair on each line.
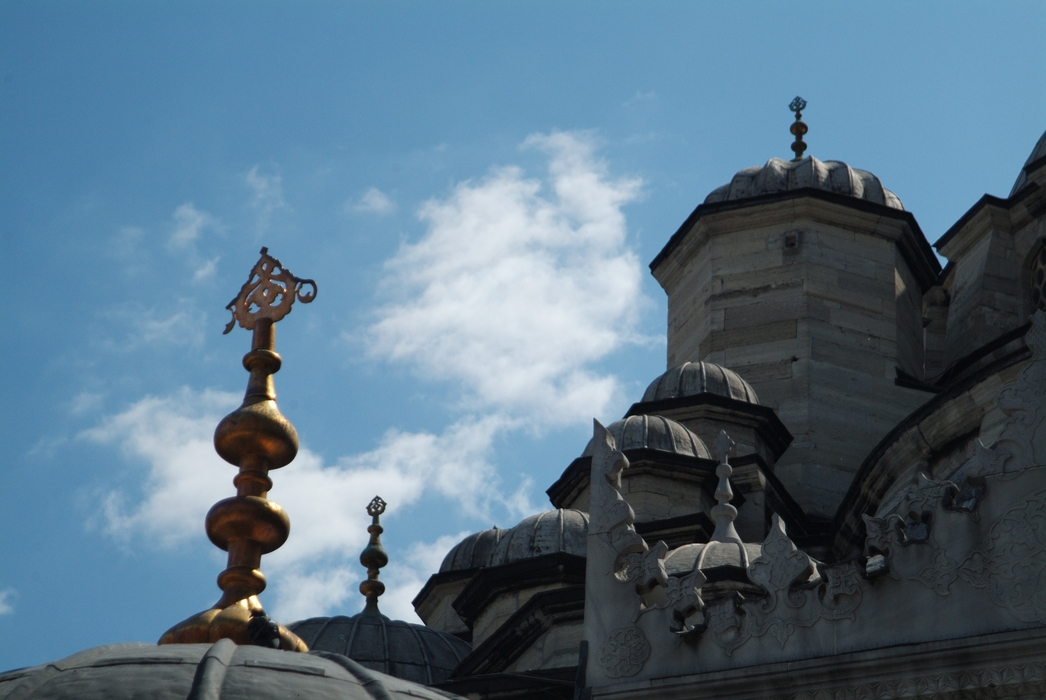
798, 128
257, 438
374, 557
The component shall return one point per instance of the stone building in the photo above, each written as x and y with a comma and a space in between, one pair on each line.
836, 490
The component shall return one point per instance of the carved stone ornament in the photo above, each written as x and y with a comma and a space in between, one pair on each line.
611, 518
1011, 565
799, 594
624, 652
1015, 681
1022, 440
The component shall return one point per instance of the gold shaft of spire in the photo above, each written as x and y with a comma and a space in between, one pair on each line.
256, 438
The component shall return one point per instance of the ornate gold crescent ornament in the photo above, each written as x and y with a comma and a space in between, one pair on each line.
269, 292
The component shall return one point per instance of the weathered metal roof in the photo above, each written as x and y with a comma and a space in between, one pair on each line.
205, 672
472, 552
782, 175
653, 433
560, 530
410, 652
693, 378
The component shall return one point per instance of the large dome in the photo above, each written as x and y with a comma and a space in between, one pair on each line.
551, 532
213, 671
693, 378
411, 652
472, 552
653, 433
1037, 154
783, 175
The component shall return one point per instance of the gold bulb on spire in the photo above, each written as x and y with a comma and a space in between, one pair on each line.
374, 558
257, 438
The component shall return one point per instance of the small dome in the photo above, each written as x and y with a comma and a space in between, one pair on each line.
472, 552
784, 175
560, 530
411, 652
653, 433
1037, 153
712, 555
693, 378
215, 671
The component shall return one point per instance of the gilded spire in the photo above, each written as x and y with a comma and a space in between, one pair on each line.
257, 438
374, 558
798, 128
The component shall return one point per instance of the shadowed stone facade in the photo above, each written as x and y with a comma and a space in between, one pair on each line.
878, 527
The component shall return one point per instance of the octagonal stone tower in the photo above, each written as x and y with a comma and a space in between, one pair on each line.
806, 277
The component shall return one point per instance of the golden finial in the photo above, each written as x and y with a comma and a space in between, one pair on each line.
374, 557
257, 438
798, 128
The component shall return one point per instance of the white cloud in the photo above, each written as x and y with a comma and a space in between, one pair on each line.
206, 270
518, 286
179, 328
171, 437
5, 601
189, 223
373, 201
86, 402
268, 194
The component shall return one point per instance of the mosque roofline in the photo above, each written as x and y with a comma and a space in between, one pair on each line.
918, 252
557, 567
988, 200
856, 500
774, 431
523, 628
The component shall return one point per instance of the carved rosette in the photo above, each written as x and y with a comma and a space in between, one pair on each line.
624, 652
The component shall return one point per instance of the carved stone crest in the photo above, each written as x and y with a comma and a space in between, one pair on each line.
624, 652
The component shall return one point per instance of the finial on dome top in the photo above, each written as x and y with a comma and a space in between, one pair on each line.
374, 558
257, 438
268, 293
798, 128
724, 513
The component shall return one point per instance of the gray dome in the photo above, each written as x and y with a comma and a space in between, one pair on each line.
711, 555
472, 552
411, 652
213, 671
692, 378
784, 175
653, 433
1037, 153
560, 530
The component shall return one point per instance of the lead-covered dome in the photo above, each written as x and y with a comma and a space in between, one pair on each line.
645, 432
472, 552
1037, 154
412, 652
562, 530
693, 378
213, 671
783, 175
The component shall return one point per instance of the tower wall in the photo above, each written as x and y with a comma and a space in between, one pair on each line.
816, 304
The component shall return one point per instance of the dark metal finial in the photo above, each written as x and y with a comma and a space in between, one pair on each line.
374, 558
798, 128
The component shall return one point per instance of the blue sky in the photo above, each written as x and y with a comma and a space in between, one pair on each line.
477, 189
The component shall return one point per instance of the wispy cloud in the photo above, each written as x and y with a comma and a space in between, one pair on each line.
170, 437
268, 194
6, 606
518, 286
189, 223
373, 201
